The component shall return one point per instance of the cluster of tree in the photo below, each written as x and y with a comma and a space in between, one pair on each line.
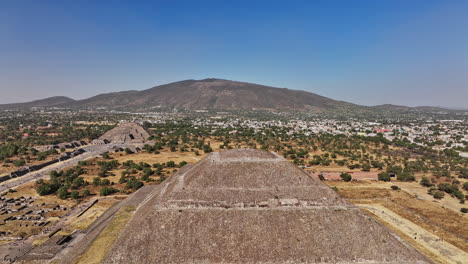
61, 182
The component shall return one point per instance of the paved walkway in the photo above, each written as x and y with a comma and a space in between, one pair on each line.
91, 151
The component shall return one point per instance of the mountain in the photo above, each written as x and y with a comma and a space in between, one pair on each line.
207, 94
213, 94
56, 101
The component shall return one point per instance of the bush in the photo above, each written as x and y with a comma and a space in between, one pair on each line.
96, 181
62, 193
464, 210
105, 182
365, 167
383, 176
86, 192
405, 177
447, 187
19, 163
44, 189
346, 177
321, 177
459, 195
465, 186
107, 191
426, 182
134, 184
438, 195
75, 195
395, 188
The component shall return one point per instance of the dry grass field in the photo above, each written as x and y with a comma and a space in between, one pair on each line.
405, 212
98, 249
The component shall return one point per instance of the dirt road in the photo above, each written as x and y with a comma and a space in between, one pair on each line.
430, 242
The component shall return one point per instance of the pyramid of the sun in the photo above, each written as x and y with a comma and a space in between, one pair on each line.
127, 133
250, 206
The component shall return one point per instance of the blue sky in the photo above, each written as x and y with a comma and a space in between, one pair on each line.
409, 52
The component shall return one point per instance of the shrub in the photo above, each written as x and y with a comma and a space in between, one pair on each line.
105, 182
62, 193
346, 177
426, 182
395, 188
438, 195
365, 167
86, 192
464, 210
465, 186
383, 176
405, 176
44, 189
321, 177
134, 184
19, 163
107, 191
459, 195
74, 195
447, 187
96, 181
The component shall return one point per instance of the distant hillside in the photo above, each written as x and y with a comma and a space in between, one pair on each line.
209, 94
213, 94
48, 102
390, 107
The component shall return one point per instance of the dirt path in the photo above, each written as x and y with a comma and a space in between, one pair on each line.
430, 242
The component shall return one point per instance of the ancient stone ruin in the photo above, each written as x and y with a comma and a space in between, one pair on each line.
251, 206
126, 133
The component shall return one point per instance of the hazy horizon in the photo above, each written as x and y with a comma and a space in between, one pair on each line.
399, 52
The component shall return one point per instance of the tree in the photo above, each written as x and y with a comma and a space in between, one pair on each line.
133, 183
74, 195
438, 195
44, 189
62, 193
365, 167
105, 182
107, 191
86, 192
465, 186
19, 163
96, 181
346, 177
426, 182
383, 176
